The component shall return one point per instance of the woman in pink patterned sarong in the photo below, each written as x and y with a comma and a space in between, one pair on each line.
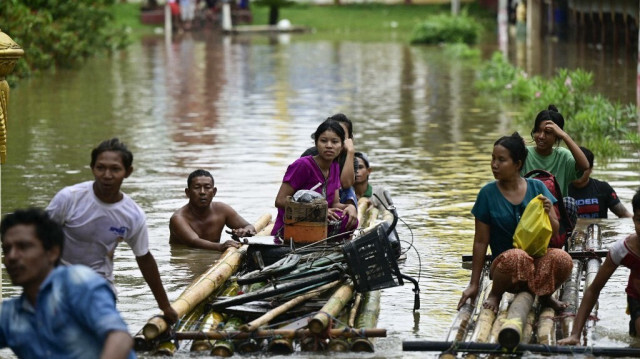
321, 173
497, 211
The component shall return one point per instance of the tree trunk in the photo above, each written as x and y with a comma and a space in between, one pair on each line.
274, 14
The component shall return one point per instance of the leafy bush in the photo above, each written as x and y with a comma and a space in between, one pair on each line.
591, 119
443, 28
59, 32
462, 51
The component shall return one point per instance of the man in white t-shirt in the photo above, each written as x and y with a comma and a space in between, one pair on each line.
96, 216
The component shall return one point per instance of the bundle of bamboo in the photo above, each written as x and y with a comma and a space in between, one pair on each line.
222, 323
521, 320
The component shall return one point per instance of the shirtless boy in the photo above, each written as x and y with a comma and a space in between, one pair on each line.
200, 222
624, 252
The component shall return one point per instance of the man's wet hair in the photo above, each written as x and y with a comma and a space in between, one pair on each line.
48, 231
113, 145
589, 155
199, 173
635, 202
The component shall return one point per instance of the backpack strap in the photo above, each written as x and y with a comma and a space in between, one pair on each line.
564, 216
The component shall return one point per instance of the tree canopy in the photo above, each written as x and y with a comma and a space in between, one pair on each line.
59, 33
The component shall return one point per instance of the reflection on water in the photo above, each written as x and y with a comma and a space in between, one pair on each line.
244, 108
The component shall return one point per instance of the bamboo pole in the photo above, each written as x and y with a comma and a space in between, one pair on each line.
387, 216
208, 282
335, 344
460, 325
140, 344
334, 305
270, 315
527, 332
168, 347
224, 347
285, 333
570, 296
262, 222
266, 231
248, 346
280, 346
373, 216
594, 242
367, 318
211, 321
484, 322
593, 265
354, 310
503, 309
511, 331
546, 328
363, 204
204, 285
486, 317
314, 343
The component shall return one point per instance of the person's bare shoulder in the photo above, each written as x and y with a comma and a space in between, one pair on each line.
179, 213
222, 208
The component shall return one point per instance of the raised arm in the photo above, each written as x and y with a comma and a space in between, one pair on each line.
589, 299
582, 164
181, 231
480, 244
117, 345
348, 175
149, 269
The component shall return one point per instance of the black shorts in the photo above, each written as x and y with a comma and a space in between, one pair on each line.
634, 311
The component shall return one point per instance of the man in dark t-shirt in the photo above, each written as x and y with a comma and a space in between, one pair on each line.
593, 197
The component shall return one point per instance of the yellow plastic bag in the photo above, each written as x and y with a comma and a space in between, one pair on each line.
534, 229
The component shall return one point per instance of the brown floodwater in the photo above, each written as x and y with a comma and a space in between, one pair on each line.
244, 108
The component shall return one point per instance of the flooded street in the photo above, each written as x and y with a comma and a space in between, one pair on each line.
244, 108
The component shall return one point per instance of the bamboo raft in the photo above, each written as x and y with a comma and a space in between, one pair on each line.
231, 309
522, 324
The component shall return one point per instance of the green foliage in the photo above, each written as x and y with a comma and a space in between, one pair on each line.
444, 28
462, 51
591, 119
59, 32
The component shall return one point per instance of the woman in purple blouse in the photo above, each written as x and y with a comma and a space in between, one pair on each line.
321, 174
